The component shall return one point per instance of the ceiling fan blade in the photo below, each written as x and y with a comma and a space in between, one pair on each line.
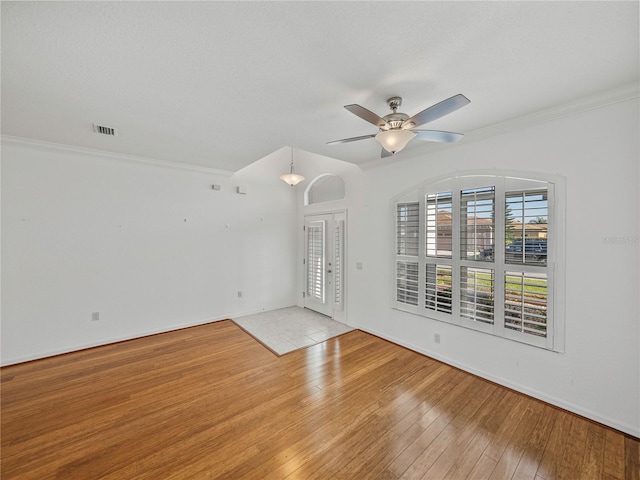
367, 115
438, 110
352, 139
437, 136
385, 154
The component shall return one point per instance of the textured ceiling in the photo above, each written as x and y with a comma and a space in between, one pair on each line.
223, 84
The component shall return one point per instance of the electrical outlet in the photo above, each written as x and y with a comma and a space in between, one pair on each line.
95, 316
436, 337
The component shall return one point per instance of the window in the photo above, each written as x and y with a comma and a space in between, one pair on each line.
326, 187
480, 251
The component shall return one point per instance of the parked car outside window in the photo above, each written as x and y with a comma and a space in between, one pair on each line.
535, 250
487, 253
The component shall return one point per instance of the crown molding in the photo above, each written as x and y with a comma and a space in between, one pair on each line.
575, 107
8, 139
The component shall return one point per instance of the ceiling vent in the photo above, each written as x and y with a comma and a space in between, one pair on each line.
101, 129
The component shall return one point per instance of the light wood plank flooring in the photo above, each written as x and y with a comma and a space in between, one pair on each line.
210, 402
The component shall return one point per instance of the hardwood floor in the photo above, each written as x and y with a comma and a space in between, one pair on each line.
211, 402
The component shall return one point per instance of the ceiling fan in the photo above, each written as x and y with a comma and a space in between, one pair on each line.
397, 129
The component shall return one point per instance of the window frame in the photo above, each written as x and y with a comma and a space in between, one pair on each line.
505, 183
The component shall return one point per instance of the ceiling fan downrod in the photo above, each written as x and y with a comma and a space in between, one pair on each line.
395, 120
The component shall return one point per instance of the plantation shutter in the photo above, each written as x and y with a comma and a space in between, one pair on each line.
476, 294
439, 216
408, 228
338, 239
315, 260
438, 288
525, 302
407, 283
477, 221
526, 217
526, 293
407, 249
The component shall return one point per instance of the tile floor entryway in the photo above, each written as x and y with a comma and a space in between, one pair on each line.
288, 329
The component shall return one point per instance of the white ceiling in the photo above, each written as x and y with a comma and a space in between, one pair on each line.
223, 84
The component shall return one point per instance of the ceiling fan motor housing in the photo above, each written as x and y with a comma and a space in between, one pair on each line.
395, 120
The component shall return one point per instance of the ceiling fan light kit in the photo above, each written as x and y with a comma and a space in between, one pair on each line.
396, 129
394, 140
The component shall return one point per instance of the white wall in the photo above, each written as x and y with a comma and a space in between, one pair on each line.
597, 152
150, 247
83, 232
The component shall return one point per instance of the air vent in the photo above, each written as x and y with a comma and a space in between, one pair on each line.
101, 129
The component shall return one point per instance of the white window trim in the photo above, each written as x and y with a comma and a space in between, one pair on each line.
555, 339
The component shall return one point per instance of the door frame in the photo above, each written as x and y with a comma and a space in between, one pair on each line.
339, 218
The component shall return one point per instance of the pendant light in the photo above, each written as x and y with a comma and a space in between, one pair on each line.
291, 178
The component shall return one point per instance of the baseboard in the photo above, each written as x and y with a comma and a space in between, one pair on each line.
108, 341
557, 402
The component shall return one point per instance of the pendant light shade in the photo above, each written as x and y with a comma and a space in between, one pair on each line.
394, 140
291, 178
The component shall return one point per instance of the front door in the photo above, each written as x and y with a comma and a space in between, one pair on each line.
324, 264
